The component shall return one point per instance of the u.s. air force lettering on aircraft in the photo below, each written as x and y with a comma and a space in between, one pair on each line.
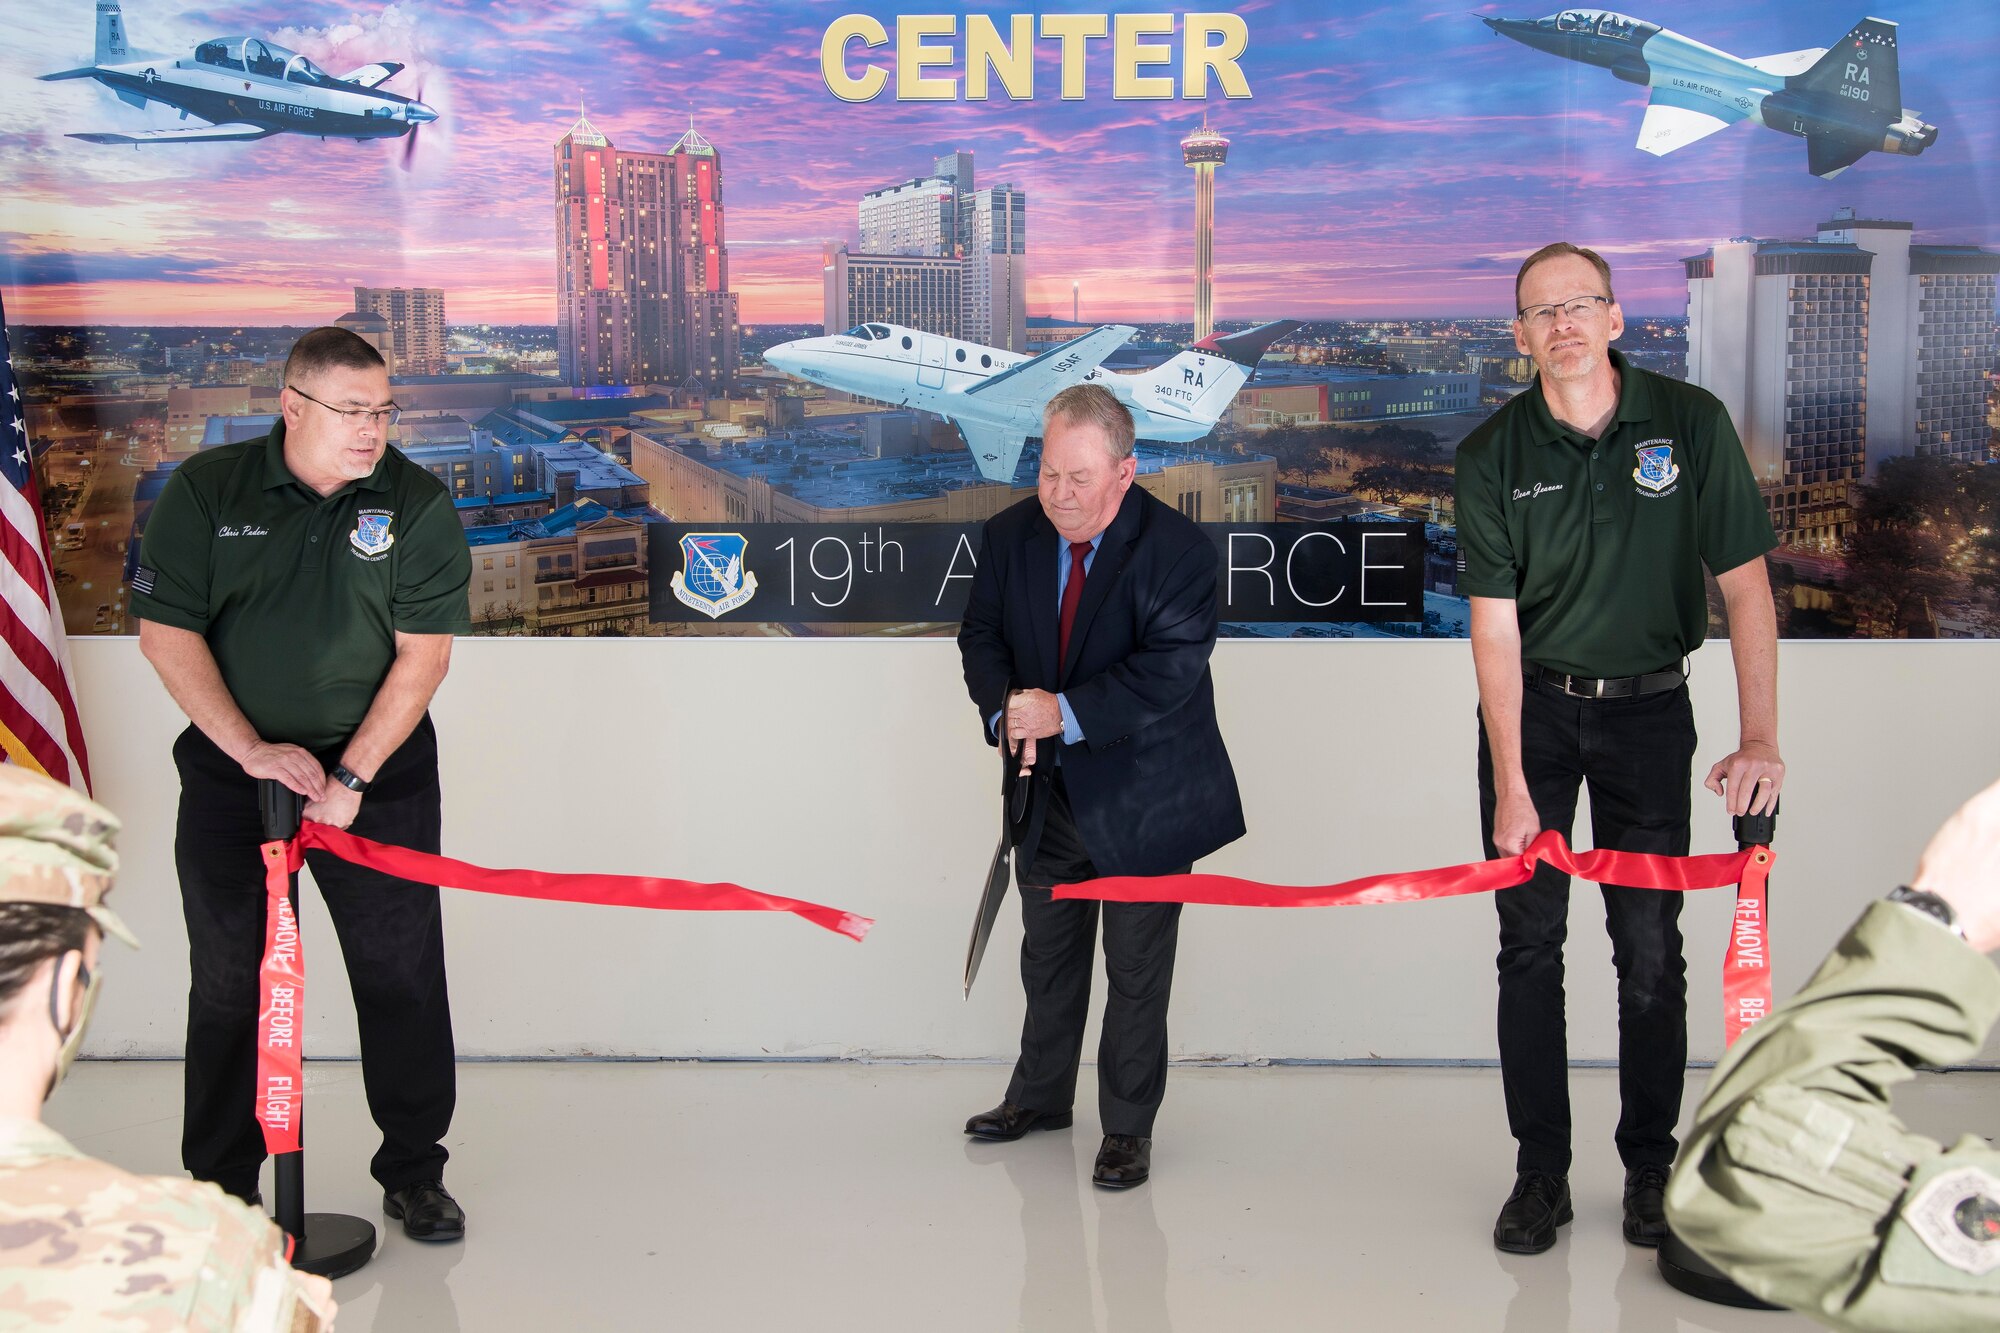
995, 397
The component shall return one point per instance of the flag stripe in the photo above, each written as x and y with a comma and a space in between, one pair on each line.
39, 725
28, 669
37, 681
20, 533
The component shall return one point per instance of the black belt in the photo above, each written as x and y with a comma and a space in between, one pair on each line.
1593, 687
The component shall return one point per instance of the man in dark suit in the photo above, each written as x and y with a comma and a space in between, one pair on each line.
1090, 624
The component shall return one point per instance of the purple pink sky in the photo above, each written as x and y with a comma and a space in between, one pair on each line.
1390, 161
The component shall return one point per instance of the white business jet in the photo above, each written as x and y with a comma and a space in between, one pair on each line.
995, 398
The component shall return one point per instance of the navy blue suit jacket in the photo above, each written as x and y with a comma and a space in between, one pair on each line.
1150, 784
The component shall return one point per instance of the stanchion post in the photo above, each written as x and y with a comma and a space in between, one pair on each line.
1684, 1270
328, 1244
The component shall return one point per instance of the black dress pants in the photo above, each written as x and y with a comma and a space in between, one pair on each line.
1057, 958
1635, 754
390, 936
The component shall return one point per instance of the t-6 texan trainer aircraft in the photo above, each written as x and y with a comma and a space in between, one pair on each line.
247, 88
1844, 101
995, 398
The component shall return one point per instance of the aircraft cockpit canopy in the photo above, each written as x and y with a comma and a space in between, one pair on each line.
223, 53
301, 70
1618, 28
869, 332
252, 54
1599, 23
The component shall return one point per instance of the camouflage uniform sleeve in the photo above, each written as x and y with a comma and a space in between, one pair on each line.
257, 1290
85, 1245
1799, 1180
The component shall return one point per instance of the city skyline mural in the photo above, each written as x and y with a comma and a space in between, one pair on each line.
1386, 170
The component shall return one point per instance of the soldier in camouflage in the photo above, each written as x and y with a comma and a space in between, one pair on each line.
1799, 1181
84, 1245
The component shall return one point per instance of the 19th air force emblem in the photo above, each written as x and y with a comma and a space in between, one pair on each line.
1657, 469
712, 579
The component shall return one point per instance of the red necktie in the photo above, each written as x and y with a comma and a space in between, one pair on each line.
1072, 594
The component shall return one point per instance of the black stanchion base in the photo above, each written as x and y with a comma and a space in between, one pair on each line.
334, 1245
1686, 1271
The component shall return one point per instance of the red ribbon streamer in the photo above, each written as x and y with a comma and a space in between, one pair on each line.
1746, 975
279, 1070
280, 1073
677, 895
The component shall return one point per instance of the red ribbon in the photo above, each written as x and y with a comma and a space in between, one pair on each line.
677, 895
1746, 975
279, 1077
280, 1073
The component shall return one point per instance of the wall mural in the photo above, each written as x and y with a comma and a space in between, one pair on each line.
727, 319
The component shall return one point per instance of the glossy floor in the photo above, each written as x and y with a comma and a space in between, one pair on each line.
749, 1197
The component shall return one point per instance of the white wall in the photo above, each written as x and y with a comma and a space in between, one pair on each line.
851, 773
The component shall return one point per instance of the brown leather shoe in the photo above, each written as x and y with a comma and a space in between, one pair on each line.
1125, 1160
1007, 1122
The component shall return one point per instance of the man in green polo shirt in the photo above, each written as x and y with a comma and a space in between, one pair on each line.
298, 595
1587, 509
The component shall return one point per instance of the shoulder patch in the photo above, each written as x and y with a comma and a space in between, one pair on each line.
1957, 1215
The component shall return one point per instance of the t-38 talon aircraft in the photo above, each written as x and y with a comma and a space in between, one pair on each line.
995, 398
1845, 101
247, 88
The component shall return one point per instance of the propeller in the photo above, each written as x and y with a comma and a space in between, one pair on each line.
418, 113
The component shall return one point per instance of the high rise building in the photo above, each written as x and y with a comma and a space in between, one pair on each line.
1838, 353
996, 269
956, 167
916, 291
1204, 150
642, 268
415, 316
918, 217
940, 216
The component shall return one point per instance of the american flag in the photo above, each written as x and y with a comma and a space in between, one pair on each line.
38, 722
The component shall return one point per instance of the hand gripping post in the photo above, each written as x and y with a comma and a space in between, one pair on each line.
1684, 1270
328, 1244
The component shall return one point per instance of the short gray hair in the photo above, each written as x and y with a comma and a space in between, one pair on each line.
1093, 405
1556, 250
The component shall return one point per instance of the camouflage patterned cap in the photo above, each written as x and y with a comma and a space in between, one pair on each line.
55, 847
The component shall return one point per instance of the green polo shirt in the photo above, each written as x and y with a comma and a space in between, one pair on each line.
1600, 543
300, 597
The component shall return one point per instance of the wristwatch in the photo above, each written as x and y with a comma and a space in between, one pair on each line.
1932, 906
349, 779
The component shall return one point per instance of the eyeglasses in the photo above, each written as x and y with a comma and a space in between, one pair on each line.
356, 416
1580, 310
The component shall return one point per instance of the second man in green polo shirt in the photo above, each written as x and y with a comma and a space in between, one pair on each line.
1587, 509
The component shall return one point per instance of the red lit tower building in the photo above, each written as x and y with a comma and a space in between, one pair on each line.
642, 270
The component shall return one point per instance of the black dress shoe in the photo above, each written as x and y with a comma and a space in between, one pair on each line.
1007, 1122
427, 1211
1646, 1205
1528, 1221
1125, 1160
